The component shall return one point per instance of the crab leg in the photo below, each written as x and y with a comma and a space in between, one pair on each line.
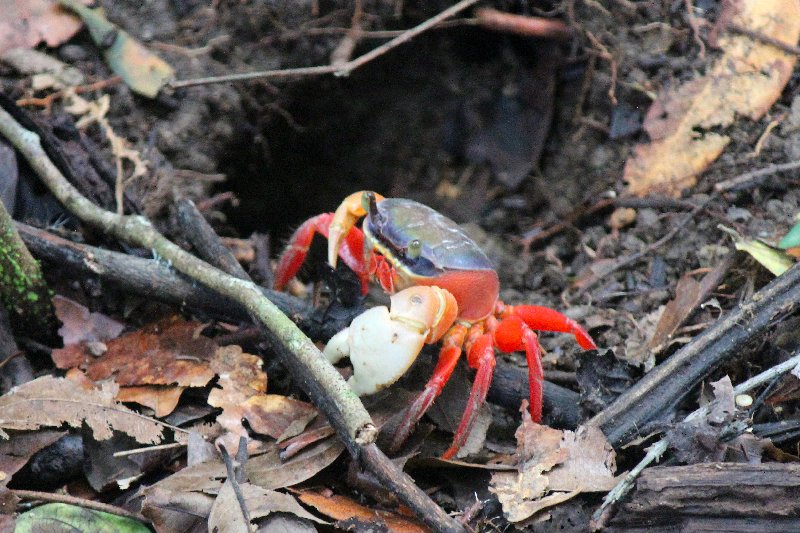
546, 319
481, 357
513, 334
448, 358
350, 250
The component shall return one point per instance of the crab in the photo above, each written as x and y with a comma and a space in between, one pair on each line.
444, 289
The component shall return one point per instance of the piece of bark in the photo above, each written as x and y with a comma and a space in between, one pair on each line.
714, 497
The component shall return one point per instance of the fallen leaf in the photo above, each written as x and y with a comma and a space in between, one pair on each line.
176, 511
342, 508
561, 463
17, 451
51, 402
143, 71
58, 517
260, 503
274, 415
162, 400
773, 259
270, 472
226, 514
745, 81
168, 352
30, 22
81, 325
687, 294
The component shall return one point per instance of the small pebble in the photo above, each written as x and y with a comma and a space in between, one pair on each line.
744, 400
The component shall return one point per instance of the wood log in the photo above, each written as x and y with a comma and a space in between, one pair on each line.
713, 497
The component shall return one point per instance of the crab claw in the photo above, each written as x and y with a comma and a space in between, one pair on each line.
382, 344
347, 214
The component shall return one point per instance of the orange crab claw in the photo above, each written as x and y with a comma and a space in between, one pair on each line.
344, 218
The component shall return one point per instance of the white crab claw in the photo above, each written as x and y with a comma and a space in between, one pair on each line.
382, 345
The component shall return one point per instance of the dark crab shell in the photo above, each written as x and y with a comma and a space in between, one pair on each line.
445, 247
447, 258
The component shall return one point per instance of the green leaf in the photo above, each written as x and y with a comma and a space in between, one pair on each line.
791, 239
770, 258
60, 517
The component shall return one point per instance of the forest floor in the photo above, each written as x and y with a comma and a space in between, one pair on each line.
632, 165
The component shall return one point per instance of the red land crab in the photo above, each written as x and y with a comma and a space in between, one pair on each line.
448, 292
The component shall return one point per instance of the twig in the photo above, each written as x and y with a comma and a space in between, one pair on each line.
233, 480
541, 27
751, 179
138, 231
670, 382
656, 450
148, 449
47, 101
80, 502
338, 70
757, 35
695, 25
206, 241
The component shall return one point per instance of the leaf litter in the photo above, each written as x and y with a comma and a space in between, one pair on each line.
553, 466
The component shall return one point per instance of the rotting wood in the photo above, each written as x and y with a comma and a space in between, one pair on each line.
656, 395
729, 496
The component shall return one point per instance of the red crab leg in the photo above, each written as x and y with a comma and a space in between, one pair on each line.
481, 356
293, 256
452, 342
513, 334
546, 319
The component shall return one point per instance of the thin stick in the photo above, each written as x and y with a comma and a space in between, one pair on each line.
758, 36
338, 70
232, 479
148, 449
658, 449
80, 502
751, 178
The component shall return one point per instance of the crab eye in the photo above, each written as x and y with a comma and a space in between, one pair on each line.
414, 249
365, 203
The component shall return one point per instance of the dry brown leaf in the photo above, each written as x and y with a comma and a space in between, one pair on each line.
26, 24
273, 415
226, 515
563, 463
162, 400
745, 81
343, 508
240, 378
260, 503
81, 325
17, 451
52, 402
271, 472
169, 352
687, 294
